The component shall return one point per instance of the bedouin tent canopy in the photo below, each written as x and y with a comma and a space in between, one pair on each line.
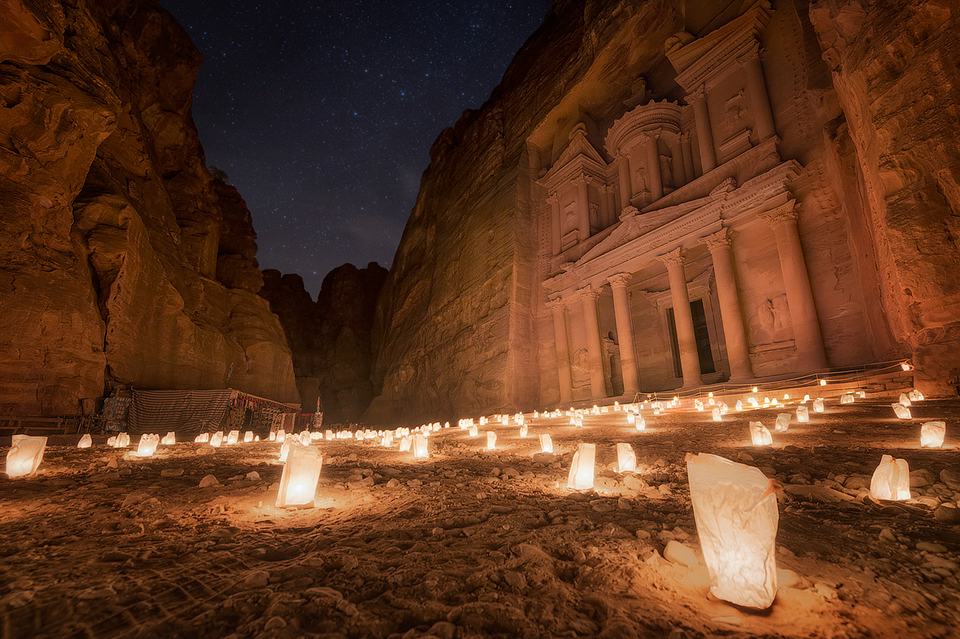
190, 412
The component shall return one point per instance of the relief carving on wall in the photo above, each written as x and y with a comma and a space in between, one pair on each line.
734, 110
580, 368
773, 319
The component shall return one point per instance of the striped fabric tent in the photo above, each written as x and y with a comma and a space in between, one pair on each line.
187, 412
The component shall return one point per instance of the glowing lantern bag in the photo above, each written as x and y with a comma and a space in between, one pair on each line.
301, 473
248, 437
783, 422
147, 445
25, 455
735, 507
931, 434
803, 415
902, 411
420, 446
233, 437
546, 444
491, 440
626, 459
85, 442
891, 480
169, 439
581, 469
759, 434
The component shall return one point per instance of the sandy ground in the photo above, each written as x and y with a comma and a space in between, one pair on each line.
477, 543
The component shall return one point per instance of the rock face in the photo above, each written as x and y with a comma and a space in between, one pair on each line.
124, 261
330, 338
811, 148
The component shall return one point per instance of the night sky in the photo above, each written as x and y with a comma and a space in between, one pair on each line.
322, 113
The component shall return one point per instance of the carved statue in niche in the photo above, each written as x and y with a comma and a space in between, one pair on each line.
666, 171
595, 217
580, 368
734, 110
773, 317
641, 180
571, 220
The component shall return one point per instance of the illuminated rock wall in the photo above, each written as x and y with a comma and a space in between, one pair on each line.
124, 261
814, 146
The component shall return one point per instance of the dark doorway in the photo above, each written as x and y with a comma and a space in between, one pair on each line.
701, 334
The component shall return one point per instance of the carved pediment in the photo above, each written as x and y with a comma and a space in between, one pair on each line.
579, 152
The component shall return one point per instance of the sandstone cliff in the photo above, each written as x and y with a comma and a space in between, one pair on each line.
124, 262
330, 338
462, 326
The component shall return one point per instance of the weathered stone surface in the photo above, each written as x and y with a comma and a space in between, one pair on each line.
110, 223
330, 338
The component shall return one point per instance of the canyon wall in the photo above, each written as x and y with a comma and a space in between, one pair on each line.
857, 153
124, 261
331, 338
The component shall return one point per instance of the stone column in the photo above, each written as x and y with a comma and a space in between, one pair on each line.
734, 334
583, 207
686, 149
611, 198
803, 311
557, 307
621, 308
556, 231
626, 187
759, 100
679, 169
591, 325
683, 318
708, 156
653, 165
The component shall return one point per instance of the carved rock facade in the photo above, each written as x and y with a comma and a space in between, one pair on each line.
654, 200
124, 261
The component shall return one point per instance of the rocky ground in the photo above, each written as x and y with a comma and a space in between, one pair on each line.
476, 543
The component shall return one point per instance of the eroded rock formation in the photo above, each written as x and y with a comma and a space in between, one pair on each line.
787, 169
330, 338
124, 261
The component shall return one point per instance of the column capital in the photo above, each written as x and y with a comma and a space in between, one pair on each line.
783, 214
698, 94
619, 280
583, 178
653, 134
717, 240
748, 56
673, 258
588, 292
628, 212
556, 303
553, 198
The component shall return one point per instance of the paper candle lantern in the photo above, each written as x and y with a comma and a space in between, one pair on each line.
891, 480
202, 438
419, 444
233, 437
523, 431
25, 455
902, 411
698, 405
578, 420
474, 431
904, 399
735, 508
739, 404
272, 437
759, 434
491, 440
301, 472
147, 445
931, 434
753, 401
305, 438
626, 459
328, 435
405, 443
823, 382
546, 444
631, 418
915, 396
216, 440
905, 366
716, 414
818, 405
803, 415
169, 439
123, 440
112, 441
248, 437
640, 423
285, 450
581, 469
846, 398
783, 422
85, 442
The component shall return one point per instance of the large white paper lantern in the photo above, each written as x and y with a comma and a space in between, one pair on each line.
626, 459
904, 399
818, 405
85, 442
233, 437
759, 434
803, 415
474, 430
902, 411
248, 437
281, 435
122, 441
169, 439
491, 440
112, 441
891, 479
846, 398
581, 469
301, 473
783, 423
147, 445
640, 423
216, 439
915, 396
546, 444
735, 508
405, 442
419, 444
932, 433
25, 455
